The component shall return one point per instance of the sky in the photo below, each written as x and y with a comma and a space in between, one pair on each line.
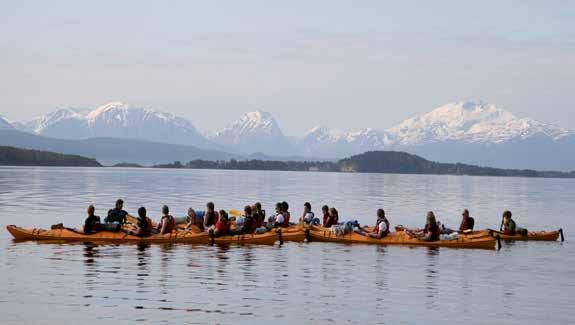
344, 64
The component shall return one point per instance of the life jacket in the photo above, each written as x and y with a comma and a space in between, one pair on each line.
248, 226
286, 218
258, 220
435, 232
222, 228
376, 228
171, 224
211, 218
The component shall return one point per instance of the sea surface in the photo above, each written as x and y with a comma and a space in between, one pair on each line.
320, 283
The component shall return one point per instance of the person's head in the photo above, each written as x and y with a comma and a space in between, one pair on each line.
285, 206
165, 210
333, 212
223, 216
279, 207
258, 206
91, 209
507, 214
210, 206
325, 209
142, 212
119, 204
191, 213
307, 207
430, 218
247, 210
380, 214
465, 213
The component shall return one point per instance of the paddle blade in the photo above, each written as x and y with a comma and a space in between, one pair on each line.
235, 213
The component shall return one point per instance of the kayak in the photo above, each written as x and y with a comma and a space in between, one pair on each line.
268, 238
71, 235
532, 235
486, 241
294, 233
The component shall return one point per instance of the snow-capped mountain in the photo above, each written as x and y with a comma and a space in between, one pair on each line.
5, 124
255, 132
324, 142
117, 120
471, 122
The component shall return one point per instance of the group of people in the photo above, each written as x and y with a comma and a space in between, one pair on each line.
253, 220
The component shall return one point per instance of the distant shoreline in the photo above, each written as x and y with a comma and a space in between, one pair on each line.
380, 162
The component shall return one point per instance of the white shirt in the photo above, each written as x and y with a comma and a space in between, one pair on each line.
382, 228
280, 218
308, 217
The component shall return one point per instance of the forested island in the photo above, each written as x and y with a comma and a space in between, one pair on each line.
25, 157
392, 162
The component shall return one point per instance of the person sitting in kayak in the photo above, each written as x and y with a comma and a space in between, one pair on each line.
307, 216
326, 217
278, 219
211, 216
431, 232
92, 224
286, 213
249, 225
467, 222
381, 228
258, 215
144, 228
167, 224
194, 222
117, 215
222, 226
333, 218
508, 226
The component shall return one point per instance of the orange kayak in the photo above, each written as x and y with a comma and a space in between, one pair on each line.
532, 235
180, 236
295, 233
105, 236
317, 233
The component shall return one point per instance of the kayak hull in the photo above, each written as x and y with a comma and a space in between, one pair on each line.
294, 233
67, 235
401, 238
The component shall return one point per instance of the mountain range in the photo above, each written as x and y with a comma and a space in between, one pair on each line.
467, 132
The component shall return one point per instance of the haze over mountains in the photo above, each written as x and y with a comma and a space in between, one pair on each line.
467, 132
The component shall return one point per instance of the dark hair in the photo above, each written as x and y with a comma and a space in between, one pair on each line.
466, 211
258, 205
285, 206
142, 212
279, 205
325, 208
119, 201
248, 210
210, 206
165, 209
223, 215
507, 214
307, 205
91, 208
380, 213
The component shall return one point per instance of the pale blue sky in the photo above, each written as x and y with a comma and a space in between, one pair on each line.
344, 64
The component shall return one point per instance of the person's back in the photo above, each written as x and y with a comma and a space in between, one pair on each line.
222, 226
92, 223
167, 223
117, 215
509, 226
211, 216
467, 222
145, 226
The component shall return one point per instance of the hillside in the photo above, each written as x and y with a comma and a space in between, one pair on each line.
23, 157
111, 150
391, 162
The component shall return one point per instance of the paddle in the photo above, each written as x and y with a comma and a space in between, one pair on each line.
235, 213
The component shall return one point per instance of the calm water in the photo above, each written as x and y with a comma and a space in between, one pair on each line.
298, 282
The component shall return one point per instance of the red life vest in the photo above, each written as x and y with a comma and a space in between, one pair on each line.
170, 224
286, 218
222, 228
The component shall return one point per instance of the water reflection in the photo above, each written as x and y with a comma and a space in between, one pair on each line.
431, 277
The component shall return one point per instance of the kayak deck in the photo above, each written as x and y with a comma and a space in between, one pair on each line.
317, 233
